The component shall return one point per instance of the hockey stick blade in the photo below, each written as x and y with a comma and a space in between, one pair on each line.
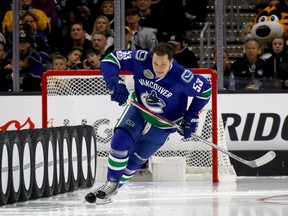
269, 156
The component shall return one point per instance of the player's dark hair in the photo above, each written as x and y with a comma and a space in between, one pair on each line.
162, 49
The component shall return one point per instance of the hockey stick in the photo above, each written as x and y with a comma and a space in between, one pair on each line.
269, 156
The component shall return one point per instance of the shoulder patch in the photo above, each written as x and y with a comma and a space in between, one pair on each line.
187, 76
141, 55
147, 73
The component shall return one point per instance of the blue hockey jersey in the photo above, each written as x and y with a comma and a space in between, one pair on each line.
166, 96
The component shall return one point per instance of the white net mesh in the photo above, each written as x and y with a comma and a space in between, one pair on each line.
84, 99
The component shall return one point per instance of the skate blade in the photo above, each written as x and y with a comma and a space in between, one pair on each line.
103, 201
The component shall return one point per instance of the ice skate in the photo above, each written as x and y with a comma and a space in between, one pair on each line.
103, 194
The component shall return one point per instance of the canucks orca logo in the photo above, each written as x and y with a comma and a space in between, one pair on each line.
152, 102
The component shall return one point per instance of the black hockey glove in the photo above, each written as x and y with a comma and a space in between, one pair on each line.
190, 123
119, 91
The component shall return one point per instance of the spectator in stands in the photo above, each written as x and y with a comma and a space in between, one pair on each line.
71, 11
92, 60
30, 64
5, 6
129, 45
74, 59
149, 15
102, 24
107, 9
182, 54
50, 9
95, 8
142, 37
25, 6
59, 62
226, 68
277, 56
76, 40
99, 42
39, 41
251, 71
6, 83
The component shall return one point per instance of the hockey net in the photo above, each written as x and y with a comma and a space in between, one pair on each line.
81, 97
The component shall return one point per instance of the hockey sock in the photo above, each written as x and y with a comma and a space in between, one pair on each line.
116, 166
118, 155
127, 175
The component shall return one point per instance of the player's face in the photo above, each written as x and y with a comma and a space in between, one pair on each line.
161, 65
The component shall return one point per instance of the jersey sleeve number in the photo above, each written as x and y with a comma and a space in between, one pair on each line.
123, 55
197, 86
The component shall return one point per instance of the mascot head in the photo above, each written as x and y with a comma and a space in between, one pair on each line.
271, 22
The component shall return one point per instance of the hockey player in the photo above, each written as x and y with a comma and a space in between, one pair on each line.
162, 86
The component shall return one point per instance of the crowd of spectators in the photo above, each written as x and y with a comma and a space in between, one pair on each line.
78, 34
257, 69
260, 67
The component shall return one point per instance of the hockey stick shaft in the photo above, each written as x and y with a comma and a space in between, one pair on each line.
269, 156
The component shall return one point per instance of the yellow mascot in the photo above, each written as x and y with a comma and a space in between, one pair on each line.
269, 23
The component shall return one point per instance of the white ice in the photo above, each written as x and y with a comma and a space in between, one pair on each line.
248, 196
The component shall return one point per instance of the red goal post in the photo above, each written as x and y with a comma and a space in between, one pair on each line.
73, 97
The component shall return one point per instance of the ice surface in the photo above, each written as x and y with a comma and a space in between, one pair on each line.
254, 196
